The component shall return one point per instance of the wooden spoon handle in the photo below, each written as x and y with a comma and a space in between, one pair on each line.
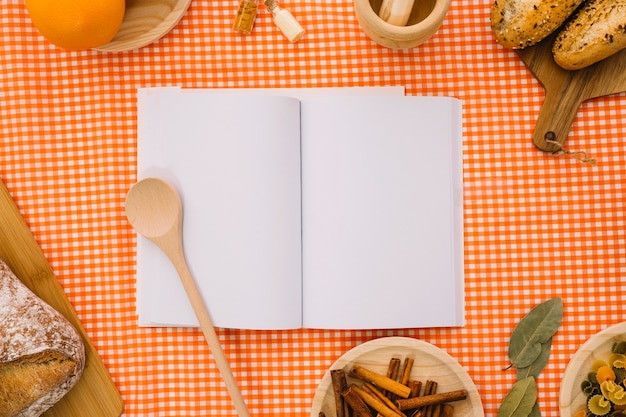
214, 344
177, 257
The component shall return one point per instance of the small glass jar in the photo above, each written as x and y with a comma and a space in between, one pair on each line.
285, 21
244, 21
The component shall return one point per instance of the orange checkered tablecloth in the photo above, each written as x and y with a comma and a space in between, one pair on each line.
536, 226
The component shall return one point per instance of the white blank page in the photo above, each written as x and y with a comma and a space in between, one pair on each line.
236, 162
382, 212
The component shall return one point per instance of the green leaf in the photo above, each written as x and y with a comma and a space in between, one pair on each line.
535, 368
535, 412
535, 329
520, 401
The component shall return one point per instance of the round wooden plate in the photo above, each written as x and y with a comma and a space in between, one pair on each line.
430, 363
146, 21
571, 398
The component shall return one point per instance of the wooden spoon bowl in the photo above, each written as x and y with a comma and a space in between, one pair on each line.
146, 21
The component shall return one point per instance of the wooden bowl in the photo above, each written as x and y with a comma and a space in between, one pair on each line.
431, 363
598, 347
146, 21
426, 17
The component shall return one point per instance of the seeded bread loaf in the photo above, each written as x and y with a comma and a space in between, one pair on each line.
596, 32
42, 356
521, 23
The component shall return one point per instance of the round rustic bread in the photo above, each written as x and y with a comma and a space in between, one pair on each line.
42, 356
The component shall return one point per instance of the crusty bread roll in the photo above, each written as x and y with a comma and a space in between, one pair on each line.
521, 23
596, 32
42, 356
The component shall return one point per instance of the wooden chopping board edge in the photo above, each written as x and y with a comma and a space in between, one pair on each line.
95, 391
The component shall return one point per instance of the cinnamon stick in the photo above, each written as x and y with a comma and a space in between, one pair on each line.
381, 381
425, 400
369, 387
392, 369
356, 402
416, 388
447, 410
338, 378
431, 388
406, 371
376, 403
392, 373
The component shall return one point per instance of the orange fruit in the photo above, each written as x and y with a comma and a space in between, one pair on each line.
77, 24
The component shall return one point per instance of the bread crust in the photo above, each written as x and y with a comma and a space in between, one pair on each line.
42, 356
596, 32
519, 24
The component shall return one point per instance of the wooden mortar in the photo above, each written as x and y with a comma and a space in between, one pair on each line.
426, 18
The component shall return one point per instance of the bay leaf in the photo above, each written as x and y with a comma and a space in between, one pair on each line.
533, 330
535, 368
535, 412
521, 400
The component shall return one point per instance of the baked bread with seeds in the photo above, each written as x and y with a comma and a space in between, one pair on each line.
522, 23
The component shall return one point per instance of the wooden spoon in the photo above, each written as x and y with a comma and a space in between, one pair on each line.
154, 209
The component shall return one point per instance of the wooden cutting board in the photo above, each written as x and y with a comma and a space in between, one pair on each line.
95, 394
567, 90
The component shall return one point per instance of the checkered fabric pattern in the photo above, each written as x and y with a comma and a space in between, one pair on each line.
536, 225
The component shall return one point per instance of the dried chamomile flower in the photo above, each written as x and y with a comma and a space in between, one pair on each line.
599, 405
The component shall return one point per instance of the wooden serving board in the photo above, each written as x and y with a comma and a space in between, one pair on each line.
95, 393
566, 90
